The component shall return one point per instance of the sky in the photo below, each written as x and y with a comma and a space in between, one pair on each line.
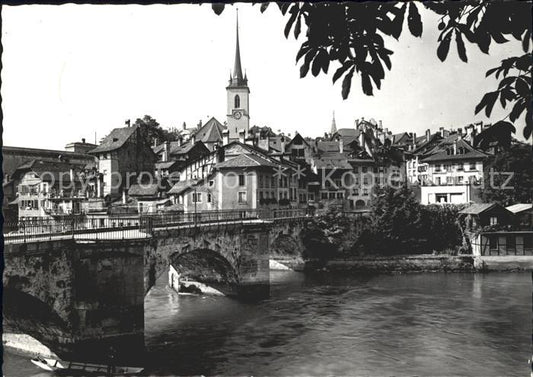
78, 71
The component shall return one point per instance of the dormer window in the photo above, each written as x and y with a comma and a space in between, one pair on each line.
237, 101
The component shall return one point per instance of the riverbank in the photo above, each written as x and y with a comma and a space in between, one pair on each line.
424, 263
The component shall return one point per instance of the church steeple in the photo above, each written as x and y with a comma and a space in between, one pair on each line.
237, 78
238, 95
333, 124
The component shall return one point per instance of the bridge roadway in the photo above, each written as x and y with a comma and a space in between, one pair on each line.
140, 227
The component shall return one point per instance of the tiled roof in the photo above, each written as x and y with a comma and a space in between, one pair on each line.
520, 207
346, 132
211, 132
245, 160
327, 146
441, 153
114, 140
183, 186
149, 189
50, 170
164, 164
333, 163
476, 209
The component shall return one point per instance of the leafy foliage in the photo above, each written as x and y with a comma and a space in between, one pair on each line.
153, 131
353, 34
518, 161
399, 224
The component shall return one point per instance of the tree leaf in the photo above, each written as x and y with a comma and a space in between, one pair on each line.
414, 21
397, 22
528, 130
338, 73
525, 42
366, 83
487, 101
347, 83
522, 88
491, 71
303, 50
264, 7
517, 110
292, 18
483, 40
218, 8
297, 27
317, 63
444, 47
461, 50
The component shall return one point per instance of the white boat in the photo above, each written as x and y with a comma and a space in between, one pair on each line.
73, 367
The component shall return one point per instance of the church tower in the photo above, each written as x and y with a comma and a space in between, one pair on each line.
238, 95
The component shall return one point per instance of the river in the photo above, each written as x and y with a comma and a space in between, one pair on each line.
406, 324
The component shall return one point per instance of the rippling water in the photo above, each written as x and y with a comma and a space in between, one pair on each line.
412, 324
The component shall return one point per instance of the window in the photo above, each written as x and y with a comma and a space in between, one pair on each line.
332, 195
449, 180
242, 197
211, 183
365, 191
241, 180
460, 166
460, 179
209, 198
196, 197
493, 220
340, 195
437, 167
237, 101
472, 166
324, 195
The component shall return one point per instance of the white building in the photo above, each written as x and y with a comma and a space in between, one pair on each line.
454, 169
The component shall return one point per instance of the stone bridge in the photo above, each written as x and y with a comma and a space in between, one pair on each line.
78, 296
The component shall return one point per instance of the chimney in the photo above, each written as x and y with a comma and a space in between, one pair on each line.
282, 142
242, 136
414, 139
362, 140
455, 147
165, 151
428, 134
83, 140
441, 130
380, 124
225, 137
124, 197
193, 139
341, 145
184, 125
180, 140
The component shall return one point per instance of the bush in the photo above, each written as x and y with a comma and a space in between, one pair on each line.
399, 224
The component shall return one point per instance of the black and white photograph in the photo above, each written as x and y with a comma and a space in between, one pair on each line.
270, 189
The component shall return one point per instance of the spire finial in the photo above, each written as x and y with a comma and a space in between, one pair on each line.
237, 70
333, 124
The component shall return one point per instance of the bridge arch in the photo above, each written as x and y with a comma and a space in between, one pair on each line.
204, 266
27, 314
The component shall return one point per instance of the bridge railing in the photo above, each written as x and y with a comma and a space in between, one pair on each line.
122, 227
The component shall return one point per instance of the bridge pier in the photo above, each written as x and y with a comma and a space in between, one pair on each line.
78, 299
